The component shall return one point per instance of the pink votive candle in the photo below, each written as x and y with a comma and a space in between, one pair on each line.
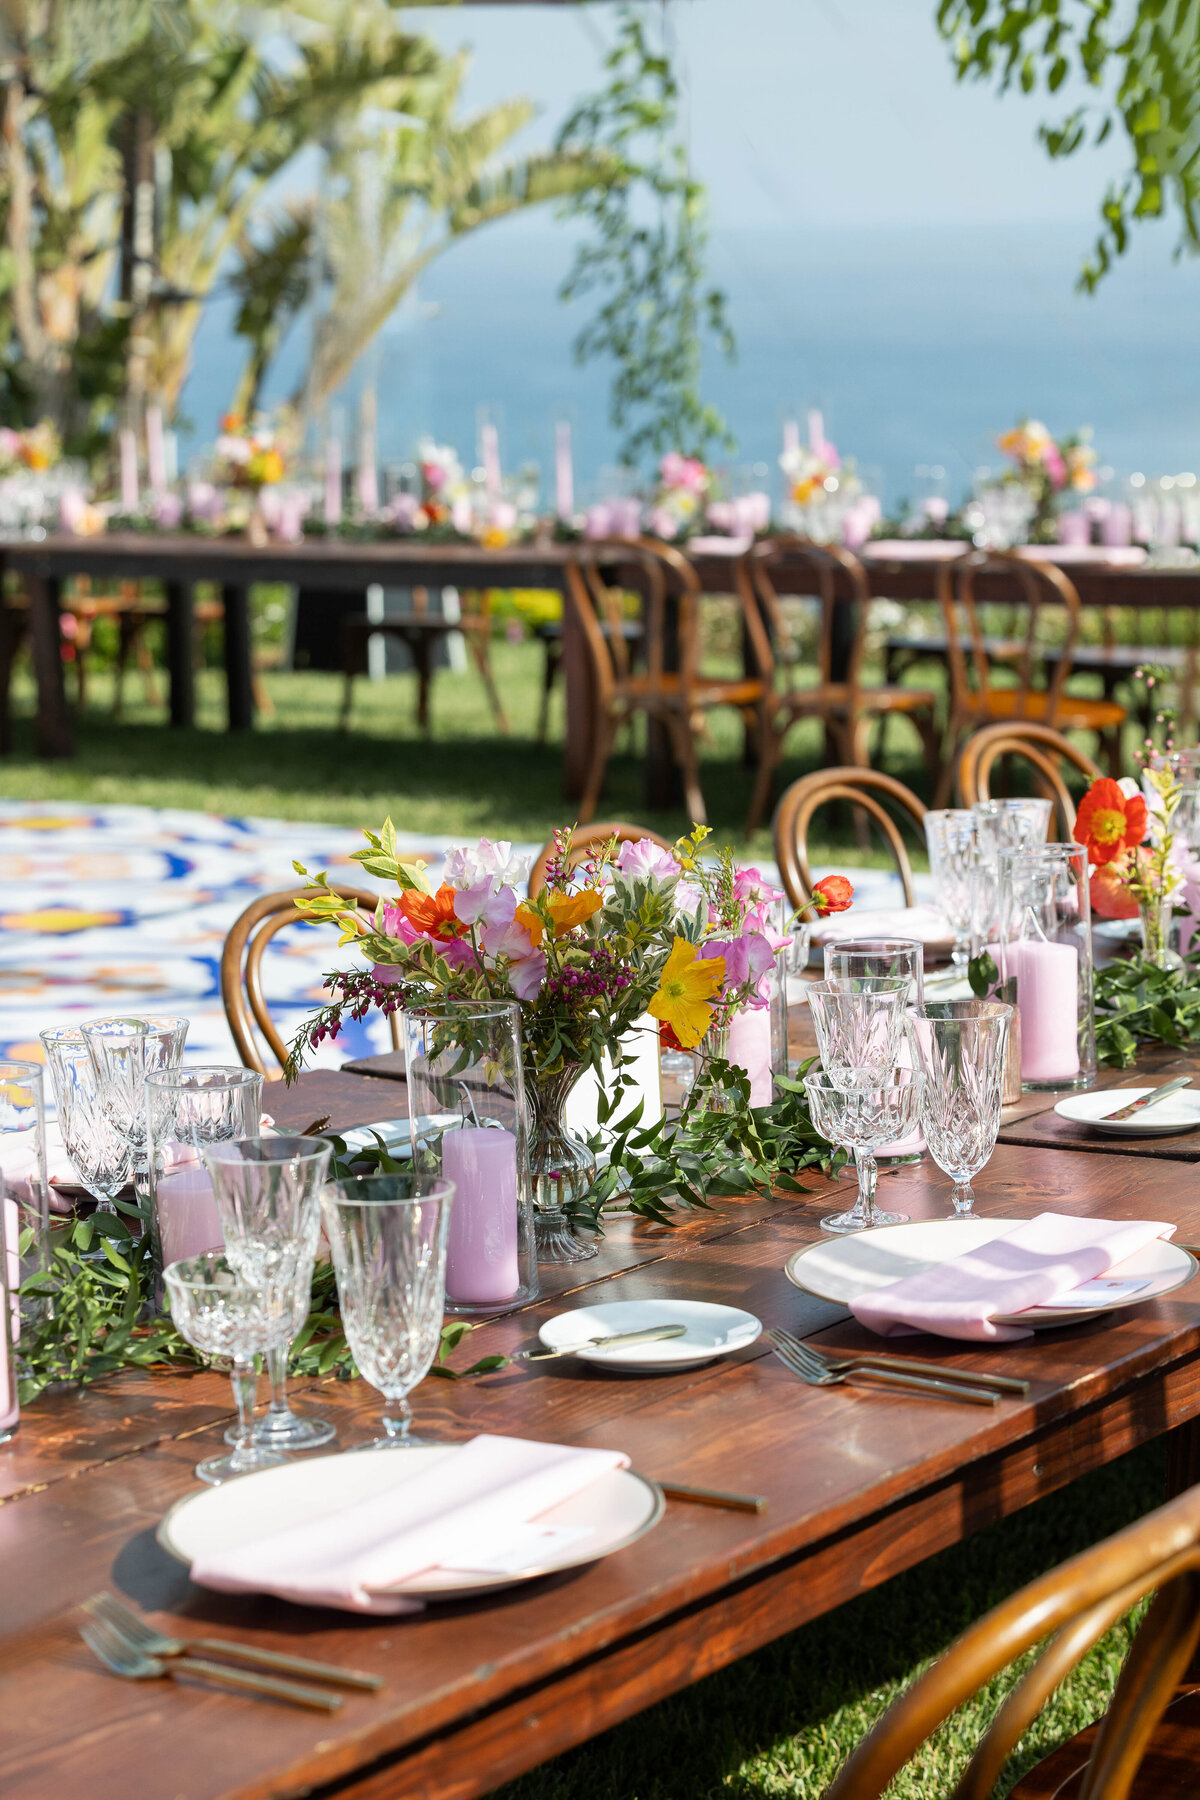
750, 1049
1048, 998
481, 1256
188, 1220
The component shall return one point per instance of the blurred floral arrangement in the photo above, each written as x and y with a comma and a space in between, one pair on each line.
1051, 469
677, 506
251, 454
36, 448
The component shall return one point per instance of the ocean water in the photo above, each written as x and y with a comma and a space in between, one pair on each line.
919, 345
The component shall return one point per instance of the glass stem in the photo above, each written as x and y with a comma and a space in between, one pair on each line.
277, 1370
868, 1174
244, 1378
964, 1197
397, 1418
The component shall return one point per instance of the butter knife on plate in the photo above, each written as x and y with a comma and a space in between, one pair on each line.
1135, 1107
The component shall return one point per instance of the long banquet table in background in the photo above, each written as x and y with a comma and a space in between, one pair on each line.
859, 1486
181, 561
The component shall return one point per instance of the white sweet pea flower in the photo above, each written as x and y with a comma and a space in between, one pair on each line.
1129, 787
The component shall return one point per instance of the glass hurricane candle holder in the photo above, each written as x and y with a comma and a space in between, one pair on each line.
23, 1179
1046, 943
466, 1103
862, 1121
953, 852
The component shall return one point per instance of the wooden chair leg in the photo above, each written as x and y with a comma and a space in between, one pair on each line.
262, 695
950, 746
347, 700
689, 766
770, 748
145, 662
606, 731
481, 655
549, 673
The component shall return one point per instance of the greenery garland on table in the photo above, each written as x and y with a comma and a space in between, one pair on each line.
1137, 1003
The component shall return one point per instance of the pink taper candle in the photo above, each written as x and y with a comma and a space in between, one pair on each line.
1048, 998
750, 1049
156, 451
489, 446
791, 436
816, 432
333, 481
481, 1256
564, 476
129, 469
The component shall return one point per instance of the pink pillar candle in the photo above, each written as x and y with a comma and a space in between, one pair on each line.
481, 1257
10, 1325
333, 482
129, 469
188, 1220
564, 475
750, 1049
1048, 998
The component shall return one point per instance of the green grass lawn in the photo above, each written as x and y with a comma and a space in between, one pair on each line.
779, 1722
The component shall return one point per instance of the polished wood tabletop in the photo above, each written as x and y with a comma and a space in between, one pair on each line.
859, 1485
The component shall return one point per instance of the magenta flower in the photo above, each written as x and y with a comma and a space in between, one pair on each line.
397, 925
388, 973
676, 471
747, 960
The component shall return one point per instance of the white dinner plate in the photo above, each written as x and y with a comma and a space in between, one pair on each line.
838, 1269
712, 1331
1166, 1118
614, 1511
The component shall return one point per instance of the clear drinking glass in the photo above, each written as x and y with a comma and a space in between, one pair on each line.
188, 1111
950, 836
468, 1118
10, 1327
1010, 825
867, 961
124, 1051
859, 1026
267, 1191
23, 1180
961, 1046
1046, 943
862, 1122
100, 1156
1187, 818
790, 964
220, 1314
388, 1235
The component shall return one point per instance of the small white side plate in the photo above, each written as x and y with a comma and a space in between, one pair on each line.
838, 1269
712, 1331
1166, 1118
613, 1512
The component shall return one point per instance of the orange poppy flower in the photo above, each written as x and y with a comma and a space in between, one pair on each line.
833, 895
1109, 822
433, 913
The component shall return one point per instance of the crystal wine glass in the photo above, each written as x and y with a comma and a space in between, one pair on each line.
187, 1112
100, 1156
388, 1236
961, 1046
123, 1053
866, 962
863, 1121
859, 1024
267, 1191
220, 1314
1010, 825
952, 842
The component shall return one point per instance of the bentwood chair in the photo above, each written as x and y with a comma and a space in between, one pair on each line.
863, 788
796, 565
1041, 747
976, 698
1073, 1606
671, 687
583, 839
242, 993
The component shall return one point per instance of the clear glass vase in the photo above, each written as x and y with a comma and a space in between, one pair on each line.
706, 1095
1156, 918
561, 1166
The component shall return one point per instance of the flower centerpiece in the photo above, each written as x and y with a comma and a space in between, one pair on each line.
36, 448
630, 931
820, 488
1130, 840
685, 485
1048, 467
250, 458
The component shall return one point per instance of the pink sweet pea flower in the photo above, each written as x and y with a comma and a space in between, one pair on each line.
747, 959
387, 973
645, 857
526, 974
458, 953
676, 471
397, 925
526, 966
477, 904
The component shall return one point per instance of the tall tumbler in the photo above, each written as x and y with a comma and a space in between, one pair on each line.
25, 1187
466, 1103
124, 1051
1046, 942
187, 1111
953, 852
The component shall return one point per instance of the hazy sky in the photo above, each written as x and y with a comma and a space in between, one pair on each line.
826, 112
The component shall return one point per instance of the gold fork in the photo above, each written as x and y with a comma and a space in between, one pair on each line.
119, 1655
143, 1637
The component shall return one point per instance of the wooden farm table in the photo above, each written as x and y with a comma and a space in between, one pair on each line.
858, 1487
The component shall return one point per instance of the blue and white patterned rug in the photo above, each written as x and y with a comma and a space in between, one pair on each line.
124, 909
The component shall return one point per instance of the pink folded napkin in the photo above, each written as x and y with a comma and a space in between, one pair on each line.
462, 1512
1036, 1264
927, 924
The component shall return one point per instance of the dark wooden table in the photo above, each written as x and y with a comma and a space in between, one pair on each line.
859, 1486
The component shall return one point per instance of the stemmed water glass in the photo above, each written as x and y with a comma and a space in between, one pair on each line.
869, 962
388, 1236
1010, 825
123, 1053
961, 1047
859, 1023
950, 836
190, 1110
100, 1156
221, 1314
267, 1191
864, 1120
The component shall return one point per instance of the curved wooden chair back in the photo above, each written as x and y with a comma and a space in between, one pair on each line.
1074, 1606
1038, 745
242, 977
797, 565
585, 838
864, 788
1038, 584
657, 572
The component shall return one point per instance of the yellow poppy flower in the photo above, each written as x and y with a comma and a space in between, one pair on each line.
569, 910
531, 919
687, 984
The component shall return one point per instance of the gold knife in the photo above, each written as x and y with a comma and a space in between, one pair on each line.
1151, 1099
